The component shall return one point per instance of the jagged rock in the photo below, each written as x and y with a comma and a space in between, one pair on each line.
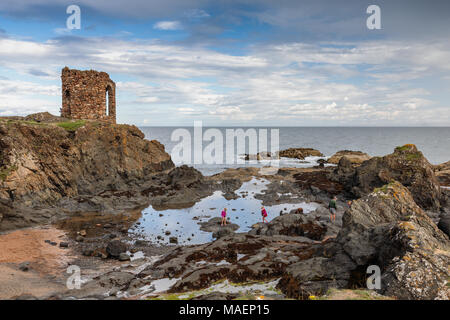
291, 225
355, 157
385, 228
43, 165
109, 283
238, 258
406, 165
442, 166
318, 179
214, 225
115, 248
184, 176
316, 275
300, 153
442, 172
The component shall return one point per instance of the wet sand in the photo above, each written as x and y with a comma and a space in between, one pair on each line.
47, 263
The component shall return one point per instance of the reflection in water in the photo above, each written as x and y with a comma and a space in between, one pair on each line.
159, 226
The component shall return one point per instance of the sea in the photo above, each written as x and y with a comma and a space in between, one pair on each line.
434, 142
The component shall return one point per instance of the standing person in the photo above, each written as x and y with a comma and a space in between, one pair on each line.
224, 217
264, 214
332, 206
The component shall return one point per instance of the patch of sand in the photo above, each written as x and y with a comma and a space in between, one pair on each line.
14, 283
47, 263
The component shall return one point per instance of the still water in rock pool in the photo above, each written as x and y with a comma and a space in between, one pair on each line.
159, 226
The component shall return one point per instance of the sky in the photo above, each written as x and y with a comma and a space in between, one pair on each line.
235, 62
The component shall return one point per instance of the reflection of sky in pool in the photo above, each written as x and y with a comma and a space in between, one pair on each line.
180, 223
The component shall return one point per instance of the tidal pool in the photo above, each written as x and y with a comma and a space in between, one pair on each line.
158, 226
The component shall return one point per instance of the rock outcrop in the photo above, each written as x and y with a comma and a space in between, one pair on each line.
214, 225
355, 157
300, 153
291, 225
406, 165
295, 153
385, 228
45, 163
442, 172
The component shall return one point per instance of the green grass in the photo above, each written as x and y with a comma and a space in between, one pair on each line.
405, 147
383, 189
413, 156
176, 296
71, 125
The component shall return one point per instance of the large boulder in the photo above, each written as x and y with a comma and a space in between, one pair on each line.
115, 248
184, 176
385, 228
388, 229
406, 165
355, 157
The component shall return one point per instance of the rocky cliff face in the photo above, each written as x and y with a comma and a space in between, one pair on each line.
406, 165
43, 163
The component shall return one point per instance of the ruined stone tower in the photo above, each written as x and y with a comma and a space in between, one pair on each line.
88, 95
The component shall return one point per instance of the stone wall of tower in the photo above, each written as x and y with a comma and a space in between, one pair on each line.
88, 95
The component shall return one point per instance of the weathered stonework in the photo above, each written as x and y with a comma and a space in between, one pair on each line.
88, 95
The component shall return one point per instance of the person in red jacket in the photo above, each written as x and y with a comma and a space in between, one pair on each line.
264, 214
224, 217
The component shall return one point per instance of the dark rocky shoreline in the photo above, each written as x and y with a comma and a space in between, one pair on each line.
94, 181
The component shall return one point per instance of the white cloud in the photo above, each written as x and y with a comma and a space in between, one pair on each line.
196, 14
23, 97
168, 25
299, 83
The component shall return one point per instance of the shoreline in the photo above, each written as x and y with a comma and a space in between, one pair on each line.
99, 181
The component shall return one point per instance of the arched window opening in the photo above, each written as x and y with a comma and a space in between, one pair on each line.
67, 97
108, 100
